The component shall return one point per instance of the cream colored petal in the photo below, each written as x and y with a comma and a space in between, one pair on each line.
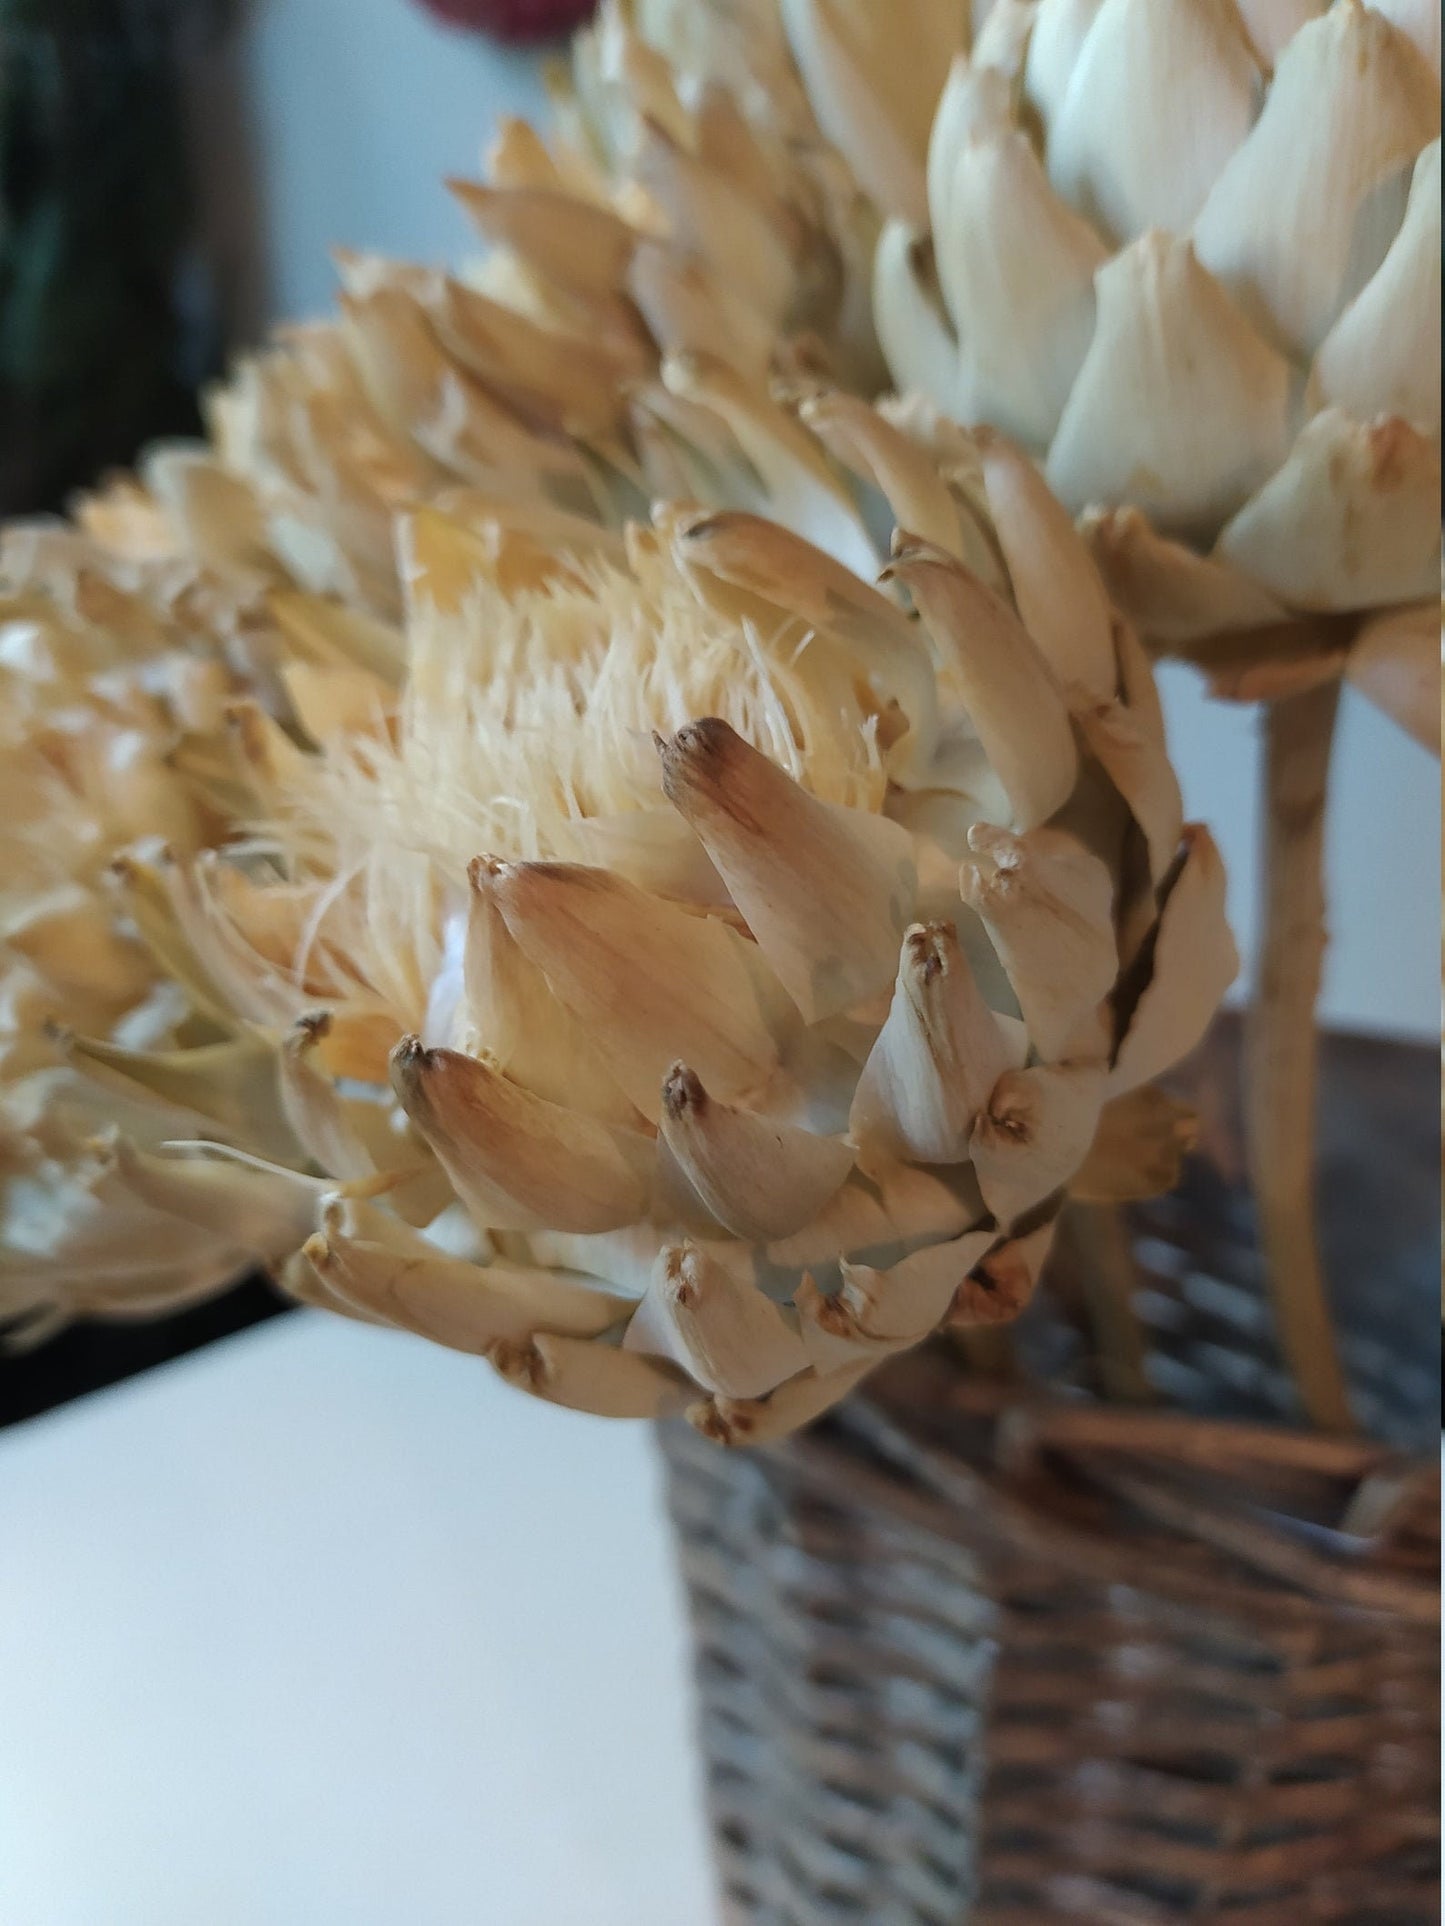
856, 435
1272, 24
1351, 520
1130, 145
771, 563
884, 1219
653, 848
977, 101
516, 1160
940, 1052
873, 78
468, 1307
759, 1178
917, 340
145, 893
624, 1260
261, 1209
517, 156
1193, 963
1060, 30
313, 1109
905, 1302
422, 393
690, 309
1172, 594
826, 891
1060, 596
1017, 268
337, 702
573, 242
218, 511
1395, 661
803, 492
1420, 21
1137, 762
651, 982
1048, 906
69, 938
230, 1086
561, 377
1138, 1149
1010, 694
1034, 1133
728, 1337
1301, 217
710, 215
759, 1421
1001, 38
332, 636
586, 1374
1382, 357
1181, 408
518, 1022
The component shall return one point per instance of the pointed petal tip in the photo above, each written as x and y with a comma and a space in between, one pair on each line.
682, 1092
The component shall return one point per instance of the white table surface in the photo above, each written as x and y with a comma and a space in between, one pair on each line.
327, 1627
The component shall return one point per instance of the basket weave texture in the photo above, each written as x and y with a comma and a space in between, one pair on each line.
965, 1656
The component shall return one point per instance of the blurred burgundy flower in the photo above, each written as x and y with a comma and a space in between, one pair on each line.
517, 21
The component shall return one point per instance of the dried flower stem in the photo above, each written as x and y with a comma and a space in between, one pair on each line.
988, 1353
1108, 1276
1281, 1051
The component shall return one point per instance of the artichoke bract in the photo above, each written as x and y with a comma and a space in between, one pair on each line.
120, 655
711, 975
1187, 252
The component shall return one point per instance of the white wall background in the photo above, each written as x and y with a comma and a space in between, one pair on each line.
353, 111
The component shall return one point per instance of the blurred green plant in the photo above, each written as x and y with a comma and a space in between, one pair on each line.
105, 327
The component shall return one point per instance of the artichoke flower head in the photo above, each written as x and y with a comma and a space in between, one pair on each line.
709, 978
1187, 253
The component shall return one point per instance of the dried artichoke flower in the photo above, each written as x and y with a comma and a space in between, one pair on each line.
1188, 253
709, 980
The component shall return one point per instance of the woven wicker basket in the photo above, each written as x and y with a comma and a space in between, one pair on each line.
967, 1656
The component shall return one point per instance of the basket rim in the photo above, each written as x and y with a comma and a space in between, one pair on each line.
1035, 1456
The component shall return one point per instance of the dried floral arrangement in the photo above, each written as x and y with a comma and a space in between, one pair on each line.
611, 849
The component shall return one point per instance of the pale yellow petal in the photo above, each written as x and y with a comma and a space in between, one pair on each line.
1193, 963
1048, 905
1056, 584
516, 1160
940, 1052
1172, 594
585, 1375
1382, 357
826, 891
1017, 268
759, 1178
1181, 407
1009, 693
914, 333
1395, 661
1160, 94
721, 1330
873, 78
1352, 519
1033, 1134
651, 982
1301, 217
